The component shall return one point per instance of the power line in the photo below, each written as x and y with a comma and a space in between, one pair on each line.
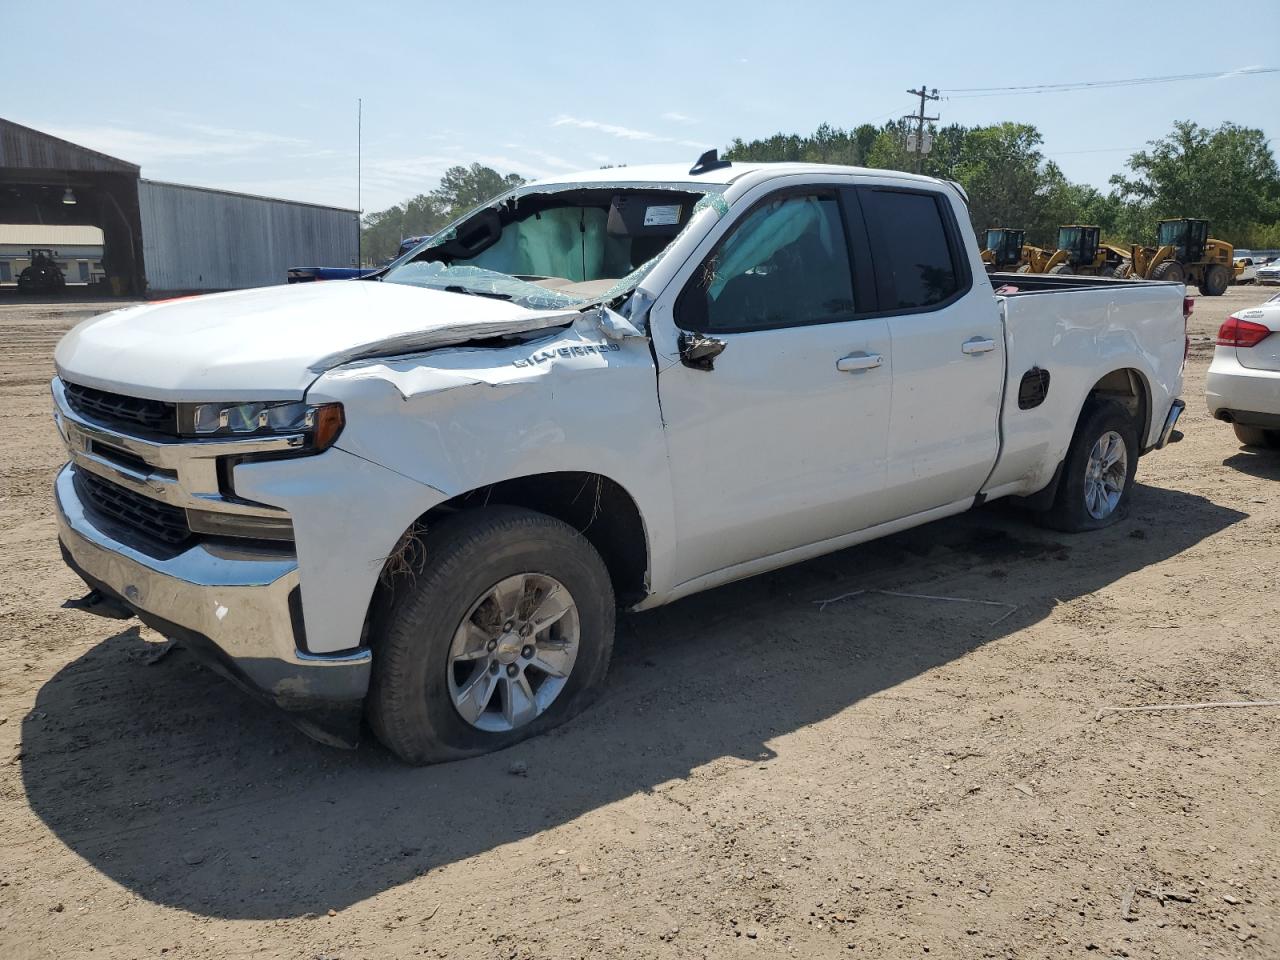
965, 93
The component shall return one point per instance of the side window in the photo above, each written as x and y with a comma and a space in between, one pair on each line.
784, 264
912, 247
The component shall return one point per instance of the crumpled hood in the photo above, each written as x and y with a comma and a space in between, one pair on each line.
272, 342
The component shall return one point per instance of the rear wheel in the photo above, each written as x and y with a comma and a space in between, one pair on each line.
1061, 268
1257, 437
1120, 271
1025, 268
1171, 271
1098, 472
1216, 279
505, 632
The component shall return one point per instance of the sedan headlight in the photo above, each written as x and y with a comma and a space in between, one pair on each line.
319, 424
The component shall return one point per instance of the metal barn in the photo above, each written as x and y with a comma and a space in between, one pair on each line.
199, 239
161, 238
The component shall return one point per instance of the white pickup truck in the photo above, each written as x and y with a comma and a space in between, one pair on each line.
417, 498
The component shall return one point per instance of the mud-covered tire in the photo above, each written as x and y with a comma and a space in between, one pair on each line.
1061, 269
1170, 271
1025, 268
1256, 436
410, 706
1120, 271
1216, 280
1070, 512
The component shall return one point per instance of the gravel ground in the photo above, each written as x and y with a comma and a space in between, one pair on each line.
765, 776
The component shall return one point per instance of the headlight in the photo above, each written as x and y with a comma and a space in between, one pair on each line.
319, 424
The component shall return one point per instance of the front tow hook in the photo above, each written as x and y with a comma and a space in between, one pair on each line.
100, 605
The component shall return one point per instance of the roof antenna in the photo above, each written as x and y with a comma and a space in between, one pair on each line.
707, 162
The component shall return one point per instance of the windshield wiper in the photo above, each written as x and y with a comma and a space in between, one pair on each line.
455, 288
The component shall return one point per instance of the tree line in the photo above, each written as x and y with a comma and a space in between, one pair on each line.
1226, 174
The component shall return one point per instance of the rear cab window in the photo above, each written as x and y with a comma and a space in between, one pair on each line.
919, 260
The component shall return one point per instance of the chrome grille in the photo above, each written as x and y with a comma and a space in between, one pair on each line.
129, 413
149, 517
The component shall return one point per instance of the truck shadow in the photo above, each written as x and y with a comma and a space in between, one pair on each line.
181, 789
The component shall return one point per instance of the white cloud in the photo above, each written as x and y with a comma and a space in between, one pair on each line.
623, 133
675, 117
192, 141
546, 159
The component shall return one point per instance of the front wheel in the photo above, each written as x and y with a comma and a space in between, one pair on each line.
1098, 472
1215, 281
505, 632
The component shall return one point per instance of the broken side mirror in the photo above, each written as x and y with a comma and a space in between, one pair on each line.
698, 352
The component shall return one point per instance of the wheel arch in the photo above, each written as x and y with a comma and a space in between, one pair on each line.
595, 505
1130, 387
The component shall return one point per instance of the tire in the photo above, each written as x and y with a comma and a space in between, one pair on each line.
1025, 268
1121, 271
1071, 512
1215, 281
411, 703
1062, 268
1171, 271
1257, 437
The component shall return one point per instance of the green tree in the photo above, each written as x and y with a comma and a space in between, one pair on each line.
460, 189
1227, 175
464, 188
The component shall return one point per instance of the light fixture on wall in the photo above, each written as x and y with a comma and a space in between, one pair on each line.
68, 197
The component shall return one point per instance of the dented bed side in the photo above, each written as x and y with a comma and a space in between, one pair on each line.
1081, 334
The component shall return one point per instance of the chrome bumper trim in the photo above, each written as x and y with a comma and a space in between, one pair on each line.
1171, 421
231, 602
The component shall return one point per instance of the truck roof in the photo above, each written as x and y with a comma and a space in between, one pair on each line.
678, 173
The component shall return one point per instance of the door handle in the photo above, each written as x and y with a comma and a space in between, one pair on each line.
859, 361
978, 345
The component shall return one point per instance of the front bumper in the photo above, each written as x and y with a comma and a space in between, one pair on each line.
238, 608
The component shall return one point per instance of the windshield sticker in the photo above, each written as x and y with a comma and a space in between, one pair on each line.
662, 216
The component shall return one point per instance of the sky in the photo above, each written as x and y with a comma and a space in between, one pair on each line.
261, 97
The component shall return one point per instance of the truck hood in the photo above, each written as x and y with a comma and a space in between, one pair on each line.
272, 342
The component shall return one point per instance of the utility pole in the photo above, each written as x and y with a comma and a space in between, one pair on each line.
920, 146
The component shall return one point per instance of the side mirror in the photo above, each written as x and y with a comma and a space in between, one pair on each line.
699, 352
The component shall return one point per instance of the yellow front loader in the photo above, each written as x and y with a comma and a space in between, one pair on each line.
1005, 250
1081, 252
1185, 253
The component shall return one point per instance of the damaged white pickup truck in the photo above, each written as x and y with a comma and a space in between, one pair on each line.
418, 497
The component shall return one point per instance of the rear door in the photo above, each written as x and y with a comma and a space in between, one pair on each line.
948, 348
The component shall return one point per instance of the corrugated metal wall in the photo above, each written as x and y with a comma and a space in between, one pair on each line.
197, 239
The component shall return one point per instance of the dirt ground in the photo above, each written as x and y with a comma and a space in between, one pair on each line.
881, 777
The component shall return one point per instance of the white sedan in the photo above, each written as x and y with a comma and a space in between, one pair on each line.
1243, 383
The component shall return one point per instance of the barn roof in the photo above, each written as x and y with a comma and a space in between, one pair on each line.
22, 148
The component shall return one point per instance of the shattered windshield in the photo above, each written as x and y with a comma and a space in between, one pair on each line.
556, 248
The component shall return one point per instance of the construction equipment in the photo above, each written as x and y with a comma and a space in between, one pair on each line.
43, 275
1185, 253
1006, 250
1080, 251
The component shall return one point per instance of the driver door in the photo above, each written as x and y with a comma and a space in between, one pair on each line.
781, 442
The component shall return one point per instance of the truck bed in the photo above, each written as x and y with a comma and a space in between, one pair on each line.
1138, 324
